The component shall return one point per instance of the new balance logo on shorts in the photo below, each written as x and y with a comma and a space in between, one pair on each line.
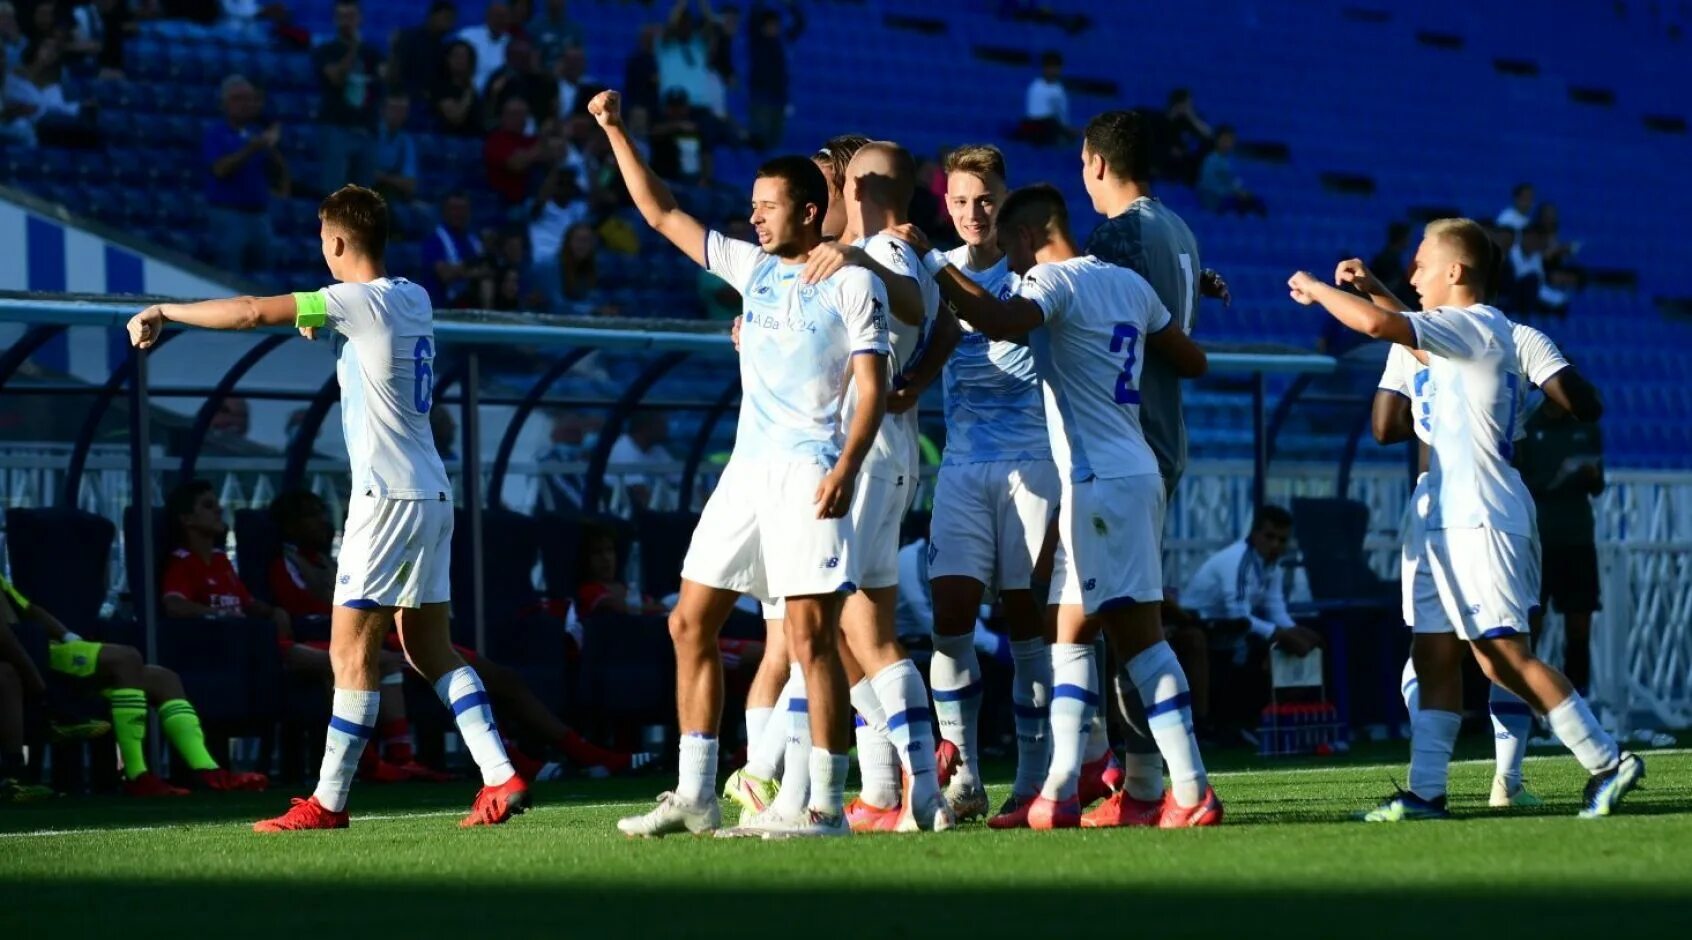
1089, 584
833, 562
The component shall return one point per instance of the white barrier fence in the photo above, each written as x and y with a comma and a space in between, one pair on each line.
1642, 655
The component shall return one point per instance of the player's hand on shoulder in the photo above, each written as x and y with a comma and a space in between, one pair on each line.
145, 327
1354, 273
607, 108
1213, 286
828, 258
911, 235
834, 494
1302, 286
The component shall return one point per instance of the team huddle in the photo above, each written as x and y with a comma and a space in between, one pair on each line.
1061, 370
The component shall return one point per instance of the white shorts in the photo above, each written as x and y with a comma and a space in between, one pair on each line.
878, 512
395, 553
760, 535
989, 521
1110, 537
1479, 583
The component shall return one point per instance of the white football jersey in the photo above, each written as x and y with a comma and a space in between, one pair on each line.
1089, 354
796, 345
1478, 393
386, 367
895, 454
1538, 357
994, 409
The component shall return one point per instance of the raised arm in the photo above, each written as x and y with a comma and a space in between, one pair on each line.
651, 196
233, 313
1354, 273
992, 317
1352, 310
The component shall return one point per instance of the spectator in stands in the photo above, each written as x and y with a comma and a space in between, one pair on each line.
303, 579
561, 492
348, 73
643, 443
684, 59
1239, 598
575, 87
681, 140
124, 679
251, 19
600, 588
98, 31
12, 40
35, 95
1220, 187
1562, 463
452, 256
456, 100
1189, 137
511, 153
720, 29
233, 417
640, 75
509, 284
579, 263
1533, 292
43, 23
1518, 214
560, 205
490, 41
17, 108
396, 152
553, 31
772, 33
414, 56
1045, 119
1559, 269
241, 162
521, 77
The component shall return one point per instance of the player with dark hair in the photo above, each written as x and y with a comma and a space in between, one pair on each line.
393, 572
776, 526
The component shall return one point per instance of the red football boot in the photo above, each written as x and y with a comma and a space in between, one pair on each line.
1054, 814
224, 780
868, 817
1120, 809
1100, 779
150, 785
1208, 812
1013, 814
495, 805
303, 814
947, 760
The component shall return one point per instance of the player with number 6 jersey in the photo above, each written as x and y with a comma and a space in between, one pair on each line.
396, 552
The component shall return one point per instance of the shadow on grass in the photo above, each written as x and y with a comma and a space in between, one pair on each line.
139, 908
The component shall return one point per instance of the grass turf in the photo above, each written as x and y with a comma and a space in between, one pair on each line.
1287, 863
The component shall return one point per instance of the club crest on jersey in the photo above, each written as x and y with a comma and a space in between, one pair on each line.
345, 579
807, 292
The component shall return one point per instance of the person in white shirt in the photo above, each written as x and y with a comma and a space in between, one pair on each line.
1473, 522
393, 570
1091, 324
1241, 586
776, 525
489, 41
642, 444
1519, 213
1045, 117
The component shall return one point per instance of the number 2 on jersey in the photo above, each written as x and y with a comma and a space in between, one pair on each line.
1126, 338
422, 359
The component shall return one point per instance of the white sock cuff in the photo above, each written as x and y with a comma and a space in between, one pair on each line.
1028, 649
358, 706
957, 647
868, 704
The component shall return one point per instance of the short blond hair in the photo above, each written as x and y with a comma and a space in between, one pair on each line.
1472, 245
983, 160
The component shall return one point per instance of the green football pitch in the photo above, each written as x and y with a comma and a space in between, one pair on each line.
1288, 862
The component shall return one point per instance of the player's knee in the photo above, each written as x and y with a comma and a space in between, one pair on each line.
687, 633
160, 678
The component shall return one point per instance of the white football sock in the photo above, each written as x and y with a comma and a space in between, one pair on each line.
1157, 674
1411, 688
757, 719
1433, 734
696, 771
910, 726
352, 720
878, 760
1031, 699
1075, 697
955, 674
1098, 739
828, 781
1142, 764
796, 774
1511, 721
1574, 724
462, 693
766, 755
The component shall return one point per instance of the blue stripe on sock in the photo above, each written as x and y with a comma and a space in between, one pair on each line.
910, 716
1510, 708
1499, 633
337, 723
1030, 711
859, 722
1075, 692
798, 705
957, 695
1179, 701
464, 703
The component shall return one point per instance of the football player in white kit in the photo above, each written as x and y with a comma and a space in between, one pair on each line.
1403, 411
895, 726
776, 525
992, 504
1474, 520
394, 565
1090, 324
